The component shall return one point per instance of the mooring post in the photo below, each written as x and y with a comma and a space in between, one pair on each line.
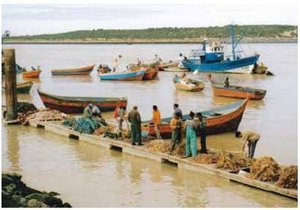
10, 84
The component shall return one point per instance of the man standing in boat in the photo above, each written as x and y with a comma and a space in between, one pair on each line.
250, 138
116, 63
134, 118
226, 83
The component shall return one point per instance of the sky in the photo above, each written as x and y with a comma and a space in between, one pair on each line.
29, 19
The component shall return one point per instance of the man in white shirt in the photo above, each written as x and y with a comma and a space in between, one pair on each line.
250, 138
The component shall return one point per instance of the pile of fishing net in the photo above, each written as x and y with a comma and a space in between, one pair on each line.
104, 129
47, 115
265, 169
288, 177
40, 115
159, 146
164, 146
84, 125
209, 158
233, 162
25, 107
179, 149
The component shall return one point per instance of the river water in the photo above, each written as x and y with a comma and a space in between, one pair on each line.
89, 176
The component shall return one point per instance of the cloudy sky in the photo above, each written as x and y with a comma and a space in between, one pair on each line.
22, 19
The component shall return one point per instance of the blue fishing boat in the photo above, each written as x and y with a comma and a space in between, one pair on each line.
123, 76
212, 59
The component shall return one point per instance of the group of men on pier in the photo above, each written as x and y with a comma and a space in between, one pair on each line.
194, 125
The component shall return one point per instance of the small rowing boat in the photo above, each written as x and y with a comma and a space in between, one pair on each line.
24, 87
74, 71
70, 104
238, 92
124, 76
221, 119
31, 74
188, 84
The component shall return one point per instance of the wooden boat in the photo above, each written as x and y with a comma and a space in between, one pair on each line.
22, 87
188, 85
222, 119
74, 71
124, 76
238, 92
31, 74
150, 73
69, 104
170, 64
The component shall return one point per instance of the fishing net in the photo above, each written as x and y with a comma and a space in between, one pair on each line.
84, 125
210, 158
159, 146
288, 177
25, 107
265, 169
233, 162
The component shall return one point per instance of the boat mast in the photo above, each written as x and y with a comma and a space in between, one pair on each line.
232, 40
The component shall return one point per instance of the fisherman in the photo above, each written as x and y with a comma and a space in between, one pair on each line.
156, 121
32, 68
134, 118
250, 138
226, 83
120, 120
191, 137
87, 113
177, 110
116, 63
96, 112
176, 126
201, 131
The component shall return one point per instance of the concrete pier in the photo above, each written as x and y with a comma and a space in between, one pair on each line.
163, 158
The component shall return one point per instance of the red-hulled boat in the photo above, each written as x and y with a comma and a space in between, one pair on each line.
222, 119
69, 104
238, 92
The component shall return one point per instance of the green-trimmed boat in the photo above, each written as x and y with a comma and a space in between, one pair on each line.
71, 104
23, 87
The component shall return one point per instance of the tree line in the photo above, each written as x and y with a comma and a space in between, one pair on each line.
249, 31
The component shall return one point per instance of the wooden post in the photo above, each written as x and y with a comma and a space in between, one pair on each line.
10, 84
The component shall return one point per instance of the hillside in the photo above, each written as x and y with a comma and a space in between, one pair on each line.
249, 32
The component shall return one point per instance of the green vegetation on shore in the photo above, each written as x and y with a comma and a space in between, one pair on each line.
249, 32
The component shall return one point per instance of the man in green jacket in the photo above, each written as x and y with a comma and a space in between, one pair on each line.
134, 118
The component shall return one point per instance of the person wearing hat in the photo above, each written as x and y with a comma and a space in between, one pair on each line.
134, 118
87, 113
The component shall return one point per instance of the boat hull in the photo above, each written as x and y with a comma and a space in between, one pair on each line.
24, 87
150, 74
31, 74
239, 92
220, 123
196, 88
123, 76
76, 71
72, 105
225, 66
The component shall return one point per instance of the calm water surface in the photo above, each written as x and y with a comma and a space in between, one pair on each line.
88, 176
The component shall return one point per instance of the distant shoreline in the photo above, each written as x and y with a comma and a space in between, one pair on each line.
163, 41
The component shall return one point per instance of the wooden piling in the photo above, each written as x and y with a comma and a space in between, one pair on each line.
10, 84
